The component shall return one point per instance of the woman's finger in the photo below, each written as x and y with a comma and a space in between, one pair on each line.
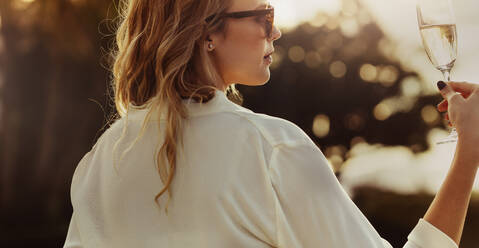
442, 107
449, 94
463, 87
475, 94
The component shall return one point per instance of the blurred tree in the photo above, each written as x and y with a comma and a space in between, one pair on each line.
50, 67
361, 93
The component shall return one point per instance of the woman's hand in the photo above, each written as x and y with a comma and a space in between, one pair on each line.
449, 208
462, 106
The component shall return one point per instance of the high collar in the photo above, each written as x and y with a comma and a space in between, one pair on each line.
219, 103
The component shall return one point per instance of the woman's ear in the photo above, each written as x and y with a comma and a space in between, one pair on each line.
215, 39
210, 46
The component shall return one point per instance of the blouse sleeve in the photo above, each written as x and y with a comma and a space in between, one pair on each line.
73, 239
313, 210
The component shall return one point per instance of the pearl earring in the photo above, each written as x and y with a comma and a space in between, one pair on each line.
210, 47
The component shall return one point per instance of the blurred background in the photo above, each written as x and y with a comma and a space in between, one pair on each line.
351, 73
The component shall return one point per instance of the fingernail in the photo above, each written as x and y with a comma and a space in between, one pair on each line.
441, 85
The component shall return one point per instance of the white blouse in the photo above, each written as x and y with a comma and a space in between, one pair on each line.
242, 180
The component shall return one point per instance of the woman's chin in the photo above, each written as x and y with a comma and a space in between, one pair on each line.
260, 78
265, 77
263, 80
255, 83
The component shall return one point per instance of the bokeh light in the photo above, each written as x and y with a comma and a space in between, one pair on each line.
430, 115
368, 73
410, 87
382, 112
312, 59
349, 27
356, 141
335, 155
321, 125
338, 69
388, 75
296, 54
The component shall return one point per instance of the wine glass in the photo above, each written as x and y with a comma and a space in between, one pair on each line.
437, 26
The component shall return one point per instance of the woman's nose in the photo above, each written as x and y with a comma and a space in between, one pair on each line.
276, 33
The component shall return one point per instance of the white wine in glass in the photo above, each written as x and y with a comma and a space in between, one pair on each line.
437, 26
440, 44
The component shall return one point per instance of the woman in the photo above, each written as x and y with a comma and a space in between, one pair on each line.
186, 167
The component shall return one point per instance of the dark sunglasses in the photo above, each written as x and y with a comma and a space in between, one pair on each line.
268, 14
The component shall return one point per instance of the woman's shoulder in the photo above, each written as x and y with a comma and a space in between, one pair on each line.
106, 138
275, 130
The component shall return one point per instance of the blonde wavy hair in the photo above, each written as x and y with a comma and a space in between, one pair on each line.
161, 59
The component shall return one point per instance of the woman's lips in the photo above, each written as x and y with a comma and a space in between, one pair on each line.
268, 59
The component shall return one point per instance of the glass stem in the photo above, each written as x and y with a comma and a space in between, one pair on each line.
447, 75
